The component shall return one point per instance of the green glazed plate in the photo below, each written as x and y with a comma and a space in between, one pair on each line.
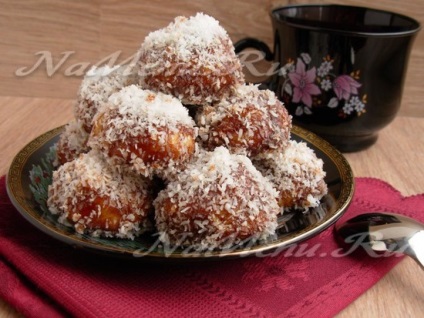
30, 175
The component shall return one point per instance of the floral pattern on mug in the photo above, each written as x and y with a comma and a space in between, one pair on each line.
313, 87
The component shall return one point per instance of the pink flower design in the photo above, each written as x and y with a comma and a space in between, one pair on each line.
344, 86
303, 82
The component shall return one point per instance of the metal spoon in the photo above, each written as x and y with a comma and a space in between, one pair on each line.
383, 232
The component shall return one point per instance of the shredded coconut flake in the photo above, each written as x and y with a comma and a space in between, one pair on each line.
72, 142
134, 102
200, 32
97, 86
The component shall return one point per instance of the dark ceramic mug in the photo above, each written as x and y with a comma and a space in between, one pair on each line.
341, 68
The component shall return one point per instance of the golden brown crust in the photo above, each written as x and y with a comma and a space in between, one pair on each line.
150, 132
99, 200
296, 173
251, 121
219, 200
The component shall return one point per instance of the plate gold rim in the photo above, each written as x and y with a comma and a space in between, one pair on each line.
19, 200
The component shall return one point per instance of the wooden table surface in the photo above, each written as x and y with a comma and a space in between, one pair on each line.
397, 158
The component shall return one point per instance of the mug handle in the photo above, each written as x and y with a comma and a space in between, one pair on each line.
260, 46
254, 44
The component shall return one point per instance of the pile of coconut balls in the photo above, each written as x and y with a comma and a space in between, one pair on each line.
135, 158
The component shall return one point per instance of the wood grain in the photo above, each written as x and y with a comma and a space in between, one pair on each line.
44, 115
93, 30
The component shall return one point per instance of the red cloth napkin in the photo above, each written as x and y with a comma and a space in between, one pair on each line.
42, 277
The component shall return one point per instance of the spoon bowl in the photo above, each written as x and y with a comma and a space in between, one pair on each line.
383, 233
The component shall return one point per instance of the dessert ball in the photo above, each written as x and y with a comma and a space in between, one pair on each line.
219, 200
151, 132
296, 173
99, 200
192, 59
72, 142
96, 87
250, 122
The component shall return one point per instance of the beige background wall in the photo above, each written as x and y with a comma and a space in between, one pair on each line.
89, 31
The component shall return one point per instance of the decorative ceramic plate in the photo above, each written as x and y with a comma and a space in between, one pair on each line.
30, 175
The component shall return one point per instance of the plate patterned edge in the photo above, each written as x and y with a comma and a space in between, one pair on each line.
14, 175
